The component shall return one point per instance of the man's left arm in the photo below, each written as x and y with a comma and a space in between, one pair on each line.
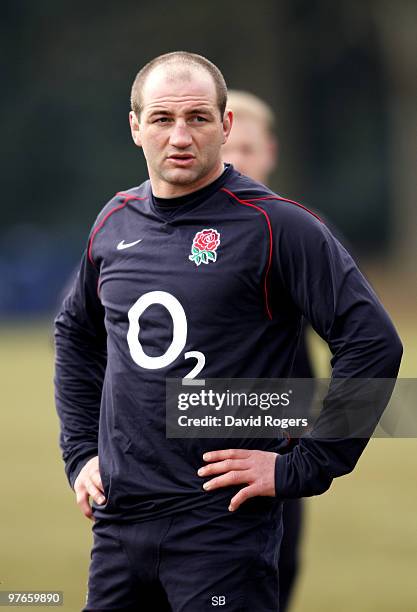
325, 285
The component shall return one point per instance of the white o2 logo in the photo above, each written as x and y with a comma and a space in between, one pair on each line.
179, 335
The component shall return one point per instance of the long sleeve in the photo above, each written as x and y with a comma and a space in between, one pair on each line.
80, 345
326, 286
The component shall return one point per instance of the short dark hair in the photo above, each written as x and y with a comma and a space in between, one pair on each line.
184, 59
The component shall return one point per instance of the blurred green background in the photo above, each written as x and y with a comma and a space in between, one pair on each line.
341, 76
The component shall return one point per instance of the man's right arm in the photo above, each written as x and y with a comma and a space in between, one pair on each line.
81, 357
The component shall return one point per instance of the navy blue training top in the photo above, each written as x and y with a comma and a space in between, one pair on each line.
227, 271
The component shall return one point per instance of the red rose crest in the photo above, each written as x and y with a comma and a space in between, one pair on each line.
204, 247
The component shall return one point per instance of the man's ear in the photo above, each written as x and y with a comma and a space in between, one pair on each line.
135, 128
227, 124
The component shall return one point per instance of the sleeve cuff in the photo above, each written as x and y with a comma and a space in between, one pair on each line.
76, 469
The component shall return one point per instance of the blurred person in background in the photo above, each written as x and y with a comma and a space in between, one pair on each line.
252, 148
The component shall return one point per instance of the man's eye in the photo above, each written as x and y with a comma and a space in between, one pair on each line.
199, 119
161, 120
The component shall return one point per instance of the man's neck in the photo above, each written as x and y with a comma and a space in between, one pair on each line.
162, 189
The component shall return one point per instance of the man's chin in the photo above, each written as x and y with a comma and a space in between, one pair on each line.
180, 176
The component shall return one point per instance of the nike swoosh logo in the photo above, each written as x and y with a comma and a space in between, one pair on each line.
125, 245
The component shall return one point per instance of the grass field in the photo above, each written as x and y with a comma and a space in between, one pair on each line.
360, 547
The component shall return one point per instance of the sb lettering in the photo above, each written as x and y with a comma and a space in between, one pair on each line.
218, 600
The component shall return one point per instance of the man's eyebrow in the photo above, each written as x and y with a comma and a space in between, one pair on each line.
193, 111
159, 112
200, 111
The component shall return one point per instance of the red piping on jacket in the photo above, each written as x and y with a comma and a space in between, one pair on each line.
102, 222
246, 203
287, 200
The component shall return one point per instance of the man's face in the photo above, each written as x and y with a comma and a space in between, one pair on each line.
180, 130
250, 148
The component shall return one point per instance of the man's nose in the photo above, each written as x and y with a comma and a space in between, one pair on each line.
180, 135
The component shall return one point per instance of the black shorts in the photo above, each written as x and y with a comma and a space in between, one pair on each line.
191, 562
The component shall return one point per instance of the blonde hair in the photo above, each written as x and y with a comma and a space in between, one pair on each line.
246, 104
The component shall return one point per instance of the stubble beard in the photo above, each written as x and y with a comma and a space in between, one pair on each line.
179, 176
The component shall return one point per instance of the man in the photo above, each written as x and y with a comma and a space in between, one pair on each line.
252, 149
197, 271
